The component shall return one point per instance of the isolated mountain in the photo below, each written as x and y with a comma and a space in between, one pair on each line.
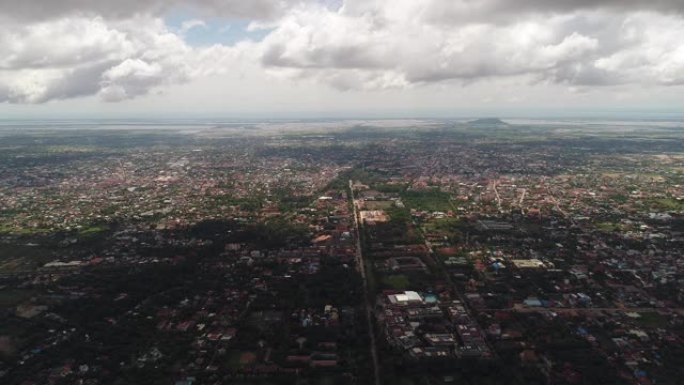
488, 122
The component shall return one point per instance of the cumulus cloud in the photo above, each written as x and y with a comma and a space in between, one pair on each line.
400, 43
118, 60
42, 9
122, 50
500, 11
270, 9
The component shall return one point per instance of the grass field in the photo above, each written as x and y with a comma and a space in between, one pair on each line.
669, 204
90, 230
607, 226
427, 200
442, 224
397, 282
377, 205
4, 228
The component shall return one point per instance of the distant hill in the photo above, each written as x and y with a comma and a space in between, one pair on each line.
488, 122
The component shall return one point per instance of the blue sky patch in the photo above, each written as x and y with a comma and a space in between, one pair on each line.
215, 30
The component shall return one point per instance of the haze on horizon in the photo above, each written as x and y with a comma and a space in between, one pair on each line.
340, 58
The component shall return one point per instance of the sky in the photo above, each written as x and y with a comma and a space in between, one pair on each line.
340, 58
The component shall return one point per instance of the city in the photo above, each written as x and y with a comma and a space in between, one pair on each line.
436, 252
341, 192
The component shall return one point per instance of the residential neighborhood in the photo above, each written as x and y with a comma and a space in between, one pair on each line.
341, 256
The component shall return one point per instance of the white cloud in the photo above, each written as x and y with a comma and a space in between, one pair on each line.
120, 50
191, 24
400, 43
652, 51
62, 43
131, 78
118, 60
27, 10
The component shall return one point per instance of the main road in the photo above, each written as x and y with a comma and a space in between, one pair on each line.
362, 271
